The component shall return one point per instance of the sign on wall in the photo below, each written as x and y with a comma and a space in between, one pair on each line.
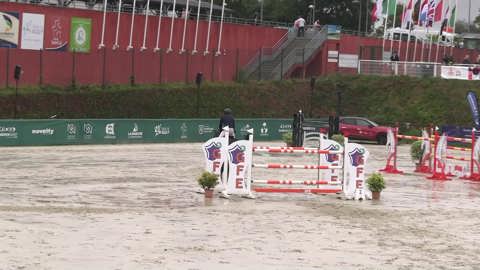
32, 31
9, 28
57, 30
80, 34
460, 73
348, 61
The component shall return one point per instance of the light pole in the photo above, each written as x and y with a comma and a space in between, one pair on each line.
359, 14
469, 14
312, 7
261, 11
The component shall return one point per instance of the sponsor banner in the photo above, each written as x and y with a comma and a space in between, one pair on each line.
57, 29
80, 34
105, 131
348, 61
460, 73
9, 29
32, 31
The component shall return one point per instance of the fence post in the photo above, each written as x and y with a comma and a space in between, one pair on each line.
281, 64
104, 71
40, 79
8, 67
161, 67
303, 63
132, 75
73, 68
187, 65
260, 56
237, 64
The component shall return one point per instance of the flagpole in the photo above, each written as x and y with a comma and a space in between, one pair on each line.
410, 21
221, 30
101, 45
174, 14
385, 29
431, 37
131, 26
454, 25
115, 46
439, 34
196, 28
182, 50
393, 27
158, 27
144, 47
401, 27
207, 45
416, 35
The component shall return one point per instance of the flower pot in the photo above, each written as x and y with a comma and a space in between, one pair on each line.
209, 193
375, 195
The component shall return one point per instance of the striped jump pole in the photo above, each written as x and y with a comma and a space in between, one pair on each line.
297, 190
425, 165
290, 166
296, 182
302, 151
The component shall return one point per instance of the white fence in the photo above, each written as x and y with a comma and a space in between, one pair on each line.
392, 68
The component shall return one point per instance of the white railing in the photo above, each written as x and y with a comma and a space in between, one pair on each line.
395, 68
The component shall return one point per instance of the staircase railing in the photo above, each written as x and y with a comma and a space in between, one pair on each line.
300, 56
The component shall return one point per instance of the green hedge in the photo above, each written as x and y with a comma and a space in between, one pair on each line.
384, 99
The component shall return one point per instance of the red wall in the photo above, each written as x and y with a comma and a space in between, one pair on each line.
148, 67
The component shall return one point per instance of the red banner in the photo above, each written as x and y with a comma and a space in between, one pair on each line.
57, 32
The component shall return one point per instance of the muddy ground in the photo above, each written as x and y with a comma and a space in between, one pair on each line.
134, 207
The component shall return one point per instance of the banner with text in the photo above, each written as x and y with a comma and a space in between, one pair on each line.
113, 131
57, 31
461, 73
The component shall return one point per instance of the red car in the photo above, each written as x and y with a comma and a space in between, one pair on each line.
359, 128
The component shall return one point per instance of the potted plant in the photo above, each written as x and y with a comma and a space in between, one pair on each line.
416, 152
208, 181
288, 138
376, 184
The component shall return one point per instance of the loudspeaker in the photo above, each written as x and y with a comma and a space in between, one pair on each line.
199, 78
17, 72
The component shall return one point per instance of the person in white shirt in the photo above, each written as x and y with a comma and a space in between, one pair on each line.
300, 25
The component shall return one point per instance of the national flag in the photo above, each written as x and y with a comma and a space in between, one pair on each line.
451, 20
431, 12
422, 18
377, 10
408, 13
438, 11
390, 6
445, 21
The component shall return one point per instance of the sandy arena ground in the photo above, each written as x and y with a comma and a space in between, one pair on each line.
133, 207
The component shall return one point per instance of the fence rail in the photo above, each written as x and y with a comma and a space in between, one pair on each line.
393, 68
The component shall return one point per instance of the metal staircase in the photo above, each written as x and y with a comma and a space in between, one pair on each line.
274, 63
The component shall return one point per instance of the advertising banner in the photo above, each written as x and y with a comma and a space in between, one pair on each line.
460, 73
9, 28
57, 29
32, 31
80, 34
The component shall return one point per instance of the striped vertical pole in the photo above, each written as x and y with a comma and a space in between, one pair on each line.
174, 14
221, 30
101, 45
400, 41
182, 50
144, 46
131, 26
207, 45
196, 28
116, 46
157, 48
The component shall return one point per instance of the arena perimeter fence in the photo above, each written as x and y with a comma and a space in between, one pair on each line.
119, 131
